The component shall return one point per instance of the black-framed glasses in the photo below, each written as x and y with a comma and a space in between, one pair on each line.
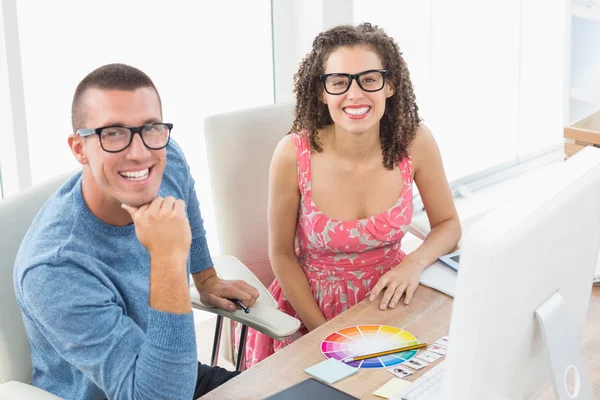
372, 80
114, 139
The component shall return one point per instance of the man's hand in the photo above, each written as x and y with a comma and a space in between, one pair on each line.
215, 291
162, 227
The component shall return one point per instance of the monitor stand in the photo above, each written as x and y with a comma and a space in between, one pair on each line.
563, 347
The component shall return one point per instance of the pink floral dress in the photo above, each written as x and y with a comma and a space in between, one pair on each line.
342, 260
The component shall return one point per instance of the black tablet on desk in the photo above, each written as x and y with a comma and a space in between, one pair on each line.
311, 389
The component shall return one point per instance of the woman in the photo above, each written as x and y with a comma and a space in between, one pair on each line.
341, 185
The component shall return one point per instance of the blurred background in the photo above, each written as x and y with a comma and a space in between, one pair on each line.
496, 81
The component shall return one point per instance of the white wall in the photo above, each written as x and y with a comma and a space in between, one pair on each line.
296, 23
544, 74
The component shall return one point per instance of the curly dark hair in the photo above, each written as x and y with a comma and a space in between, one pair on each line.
401, 118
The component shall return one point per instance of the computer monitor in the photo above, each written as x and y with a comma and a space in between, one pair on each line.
544, 245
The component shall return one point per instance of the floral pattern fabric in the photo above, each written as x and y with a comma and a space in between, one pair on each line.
342, 260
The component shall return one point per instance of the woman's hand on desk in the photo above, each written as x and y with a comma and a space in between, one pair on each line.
404, 278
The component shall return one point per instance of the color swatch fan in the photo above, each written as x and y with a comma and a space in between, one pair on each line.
366, 339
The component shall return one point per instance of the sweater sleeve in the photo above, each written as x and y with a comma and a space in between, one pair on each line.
80, 317
200, 258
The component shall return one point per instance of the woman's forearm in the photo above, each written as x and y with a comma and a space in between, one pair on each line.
442, 239
297, 291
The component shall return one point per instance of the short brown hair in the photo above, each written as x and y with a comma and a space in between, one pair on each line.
401, 119
108, 77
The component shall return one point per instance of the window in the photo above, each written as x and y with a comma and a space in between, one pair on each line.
8, 157
489, 76
585, 60
202, 57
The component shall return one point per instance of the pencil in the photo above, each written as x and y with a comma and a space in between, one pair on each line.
239, 303
386, 352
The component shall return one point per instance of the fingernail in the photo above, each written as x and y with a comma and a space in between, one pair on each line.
392, 304
232, 308
372, 298
383, 306
406, 301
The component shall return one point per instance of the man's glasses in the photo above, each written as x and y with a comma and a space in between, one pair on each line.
369, 81
114, 139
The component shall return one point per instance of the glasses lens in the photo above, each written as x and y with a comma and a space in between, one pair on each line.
336, 83
115, 138
156, 136
371, 81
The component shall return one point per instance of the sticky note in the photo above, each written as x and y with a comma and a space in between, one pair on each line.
391, 388
331, 370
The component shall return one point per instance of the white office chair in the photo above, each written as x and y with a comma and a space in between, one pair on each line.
16, 213
240, 145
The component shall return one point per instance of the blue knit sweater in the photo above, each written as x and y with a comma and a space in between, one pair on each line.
83, 288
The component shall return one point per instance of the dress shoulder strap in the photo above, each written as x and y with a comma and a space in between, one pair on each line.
303, 153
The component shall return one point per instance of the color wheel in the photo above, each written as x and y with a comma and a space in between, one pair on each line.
367, 339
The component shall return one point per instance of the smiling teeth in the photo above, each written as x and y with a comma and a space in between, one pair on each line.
136, 175
356, 111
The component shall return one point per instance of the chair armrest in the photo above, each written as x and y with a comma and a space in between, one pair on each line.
231, 268
264, 315
268, 320
14, 390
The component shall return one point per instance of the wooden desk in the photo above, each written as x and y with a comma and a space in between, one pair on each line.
428, 318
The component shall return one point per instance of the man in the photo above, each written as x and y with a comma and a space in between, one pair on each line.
102, 275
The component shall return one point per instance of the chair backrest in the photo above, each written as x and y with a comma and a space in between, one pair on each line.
239, 148
16, 213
